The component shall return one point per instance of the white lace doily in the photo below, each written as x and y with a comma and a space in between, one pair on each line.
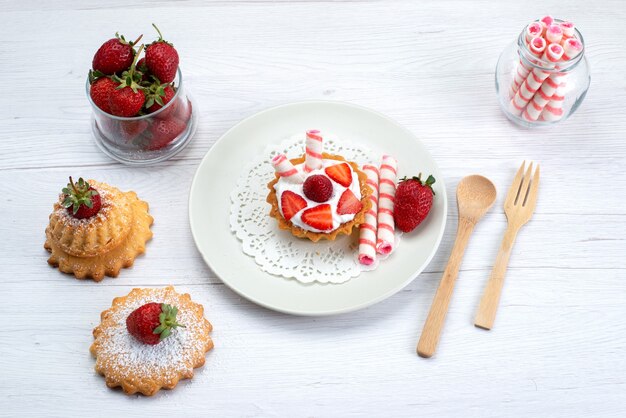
276, 251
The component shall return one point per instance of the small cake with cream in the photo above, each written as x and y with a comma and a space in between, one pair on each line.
319, 195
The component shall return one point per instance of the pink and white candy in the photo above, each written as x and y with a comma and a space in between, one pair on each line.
533, 30
571, 48
554, 34
545, 22
368, 231
314, 148
386, 197
536, 77
536, 47
542, 97
553, 110
285, 169
568, 29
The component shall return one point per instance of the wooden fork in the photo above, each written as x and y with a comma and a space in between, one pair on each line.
519, 207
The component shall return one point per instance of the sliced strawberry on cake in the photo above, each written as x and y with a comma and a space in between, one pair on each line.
319, 217
341, 173
348, 203
291, 203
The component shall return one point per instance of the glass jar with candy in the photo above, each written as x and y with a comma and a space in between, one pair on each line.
543, 77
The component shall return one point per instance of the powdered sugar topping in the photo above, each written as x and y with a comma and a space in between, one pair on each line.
172, 358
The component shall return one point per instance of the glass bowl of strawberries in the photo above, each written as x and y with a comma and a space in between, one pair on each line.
141, 112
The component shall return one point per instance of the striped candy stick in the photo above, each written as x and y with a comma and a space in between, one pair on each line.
386, 196
554, 34
557, 83
533, 30
545, 22
541, 98
571, 48
368, 231
536, 77
536, 47
549, 86
553, 110
285, 169
568, 30
314, 147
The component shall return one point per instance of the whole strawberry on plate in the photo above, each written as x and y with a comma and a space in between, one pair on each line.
153, 322
162, 59
413, 201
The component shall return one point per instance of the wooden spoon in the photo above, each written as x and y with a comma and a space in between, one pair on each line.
475, 195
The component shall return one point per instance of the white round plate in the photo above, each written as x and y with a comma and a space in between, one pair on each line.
209, 208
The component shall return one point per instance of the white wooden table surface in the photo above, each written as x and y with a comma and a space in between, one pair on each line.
558, 348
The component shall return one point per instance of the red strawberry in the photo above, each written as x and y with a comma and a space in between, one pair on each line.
164, 131
126, 102
128, 97
114, 56
318, 188
162, 59
158, 96
348, 203
341, 173
153, 322
413, 201
291, 203
81, 200
319, 217
131, 129
100, 91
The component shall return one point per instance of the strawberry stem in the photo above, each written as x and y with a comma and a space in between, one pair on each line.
428, 183
77, 194
132, 66
167, 321
137, 40
73, 186
158, 31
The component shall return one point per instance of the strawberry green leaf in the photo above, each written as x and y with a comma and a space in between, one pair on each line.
167, 320
77, 194
165, 333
